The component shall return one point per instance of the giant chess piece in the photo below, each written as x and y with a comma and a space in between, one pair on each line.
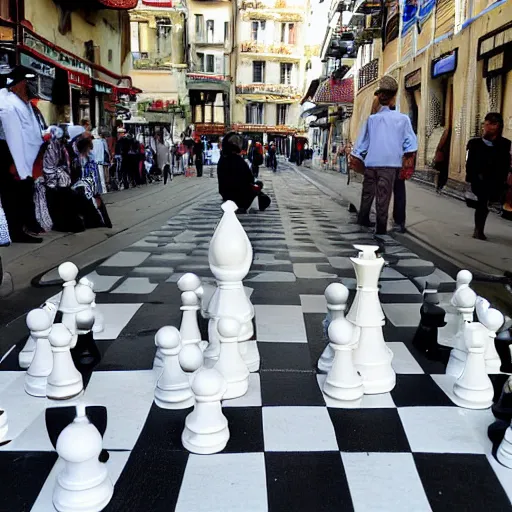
504, 345
4, 426
464, 299
84, 484
432, 319
372, 357
492, 319
173, 387
99, 320
343, 382
164, 332
192, 292
69, 306
39, 323
86, 354
336, 295
504, 453
206, 428
230, 258
85, 298
230, 363
473, 389
502, 409
27, 354
65, 381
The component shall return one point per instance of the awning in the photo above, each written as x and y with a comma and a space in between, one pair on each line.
119, 4
334, 92
317, 110
313, 86
157, 3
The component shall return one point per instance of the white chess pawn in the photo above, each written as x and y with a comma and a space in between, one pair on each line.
65, 381
84, 484
164, 332
85, 298
463, 280
473, 389
206, 428
336, 295
491, 319
27, 354
68, 304
189, 282
504, 453
343, 382
4, 426
230, 363
189, 328
191, 359
37, 374
173, 387
99, 319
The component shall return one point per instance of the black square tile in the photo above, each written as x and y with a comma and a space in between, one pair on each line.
307, 482
315, 334
290, 389
369, 430
245, 428
460, 482
274, 293
285, 356
128, 352
417, 391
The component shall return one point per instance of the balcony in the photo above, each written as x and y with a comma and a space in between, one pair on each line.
203, 41
277, 10
368, 73
208, 81
287, 51
286, 91
151, 61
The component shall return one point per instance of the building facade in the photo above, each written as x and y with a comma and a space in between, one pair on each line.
76, 77
270, 67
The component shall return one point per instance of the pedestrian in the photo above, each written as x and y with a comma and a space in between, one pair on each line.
198, 155
488, 164
272, 157
163, 157
385, 139
101, 155
442, 158
256, 158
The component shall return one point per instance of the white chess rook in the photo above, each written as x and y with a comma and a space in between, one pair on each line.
27, 354
173, 387
206, 428
84, 484
230, 363
464, 299
492, 319
343, 383
473, 389
68, 304
65, 381
336, 295
99, 320
39, 323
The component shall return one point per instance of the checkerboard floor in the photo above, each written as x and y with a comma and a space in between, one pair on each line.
291, 448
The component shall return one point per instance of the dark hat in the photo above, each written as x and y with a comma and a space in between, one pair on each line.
15, 76
387, 84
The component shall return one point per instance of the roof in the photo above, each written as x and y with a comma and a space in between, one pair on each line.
335, 92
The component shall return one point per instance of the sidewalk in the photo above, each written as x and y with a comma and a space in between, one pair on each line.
440, 223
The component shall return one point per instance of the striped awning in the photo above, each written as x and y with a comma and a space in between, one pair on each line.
334, 92
118, 4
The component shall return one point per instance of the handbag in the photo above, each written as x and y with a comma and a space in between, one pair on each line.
5, 239
263, 201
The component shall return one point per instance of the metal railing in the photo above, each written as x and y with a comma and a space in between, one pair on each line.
277, 89
148, 60
368, 73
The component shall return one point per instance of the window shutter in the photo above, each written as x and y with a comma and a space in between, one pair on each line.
219, 61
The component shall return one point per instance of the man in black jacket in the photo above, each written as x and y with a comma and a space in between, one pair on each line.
487, 166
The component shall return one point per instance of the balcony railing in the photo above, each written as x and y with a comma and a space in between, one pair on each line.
368, 73
268, 4
275, 89
199, 76
146, 60
277, 48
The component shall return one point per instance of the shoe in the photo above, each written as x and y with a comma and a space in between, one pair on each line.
399, 228
478, 235
24, 238
367, 224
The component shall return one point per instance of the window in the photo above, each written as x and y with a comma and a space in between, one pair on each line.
139, 38
286, 73
200, 62
5, 11
209, 31
258, 30
163, 36
258, 71
288, 33
254, 113
226, 31
199, 27
282, 114
210, 64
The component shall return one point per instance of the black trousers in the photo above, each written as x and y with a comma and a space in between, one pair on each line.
481, 213
199, 166
167, 173
399, 200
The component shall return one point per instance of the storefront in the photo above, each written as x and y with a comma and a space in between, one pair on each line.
412, 84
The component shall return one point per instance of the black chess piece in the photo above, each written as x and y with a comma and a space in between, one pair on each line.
503, 342
502, 410
85, 354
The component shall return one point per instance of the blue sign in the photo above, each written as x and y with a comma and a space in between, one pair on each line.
445, 64
416, 12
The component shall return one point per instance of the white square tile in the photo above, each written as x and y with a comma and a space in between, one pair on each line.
402, 315
280, 323
402, 287
444, 429
136, 285
310, 271
253, 396
115, 465
126, 259
273, 277
313, 304
7, 378
403, 360
298, 429
128, 396
116, 318
227, 482
384, 481
503, 475
102, 283
381, 401
340, 262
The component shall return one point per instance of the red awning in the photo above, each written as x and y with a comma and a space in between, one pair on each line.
335, 91
119, 4
158, 3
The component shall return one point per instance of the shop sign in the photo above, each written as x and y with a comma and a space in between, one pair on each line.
494, 42
40, 67
263, 128
210, 128
413, 79
102, 88
6, 34
446, 64
64, 59
79, 79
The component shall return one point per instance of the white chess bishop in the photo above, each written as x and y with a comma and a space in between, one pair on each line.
336, 296
99, 320
27, 354
84, 484
173, 389
206, 428
343, 382
230, 258
492, 319
65, 381
39, 323
230, 363
473, 389
69, 306
464, 299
